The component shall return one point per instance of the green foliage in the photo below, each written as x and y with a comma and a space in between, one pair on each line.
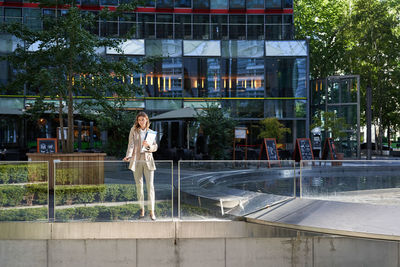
272, 128
67, 64
118, 124
332, 124
219, 127
34, 214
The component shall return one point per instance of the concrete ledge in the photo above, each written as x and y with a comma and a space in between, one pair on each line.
25, 230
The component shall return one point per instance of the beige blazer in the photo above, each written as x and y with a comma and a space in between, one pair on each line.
133, 151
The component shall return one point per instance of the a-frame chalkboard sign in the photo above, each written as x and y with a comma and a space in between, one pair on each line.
47, 145
269, 144
303, 150
329, 148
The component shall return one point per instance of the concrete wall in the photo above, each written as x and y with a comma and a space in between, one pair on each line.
204, 244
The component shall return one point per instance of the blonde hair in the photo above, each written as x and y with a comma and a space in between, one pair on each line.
137, 125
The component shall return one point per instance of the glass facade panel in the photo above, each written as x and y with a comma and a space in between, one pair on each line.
90, 2
109, 28
242, 48
237, 27
201, 27
273, 27
109, 2
183, 27
237, 4
12, 15
130, 47
163, 104
201, 4
285, 77
165, 48
146, 26
202, 48
164, 26
255, 27
245, 108
164, 3
288, 3
242, 77
219, 27
219, 4
255, 3
163, 78
285, 48
273, 4
127, 24
183, 3
201, 77
32, 18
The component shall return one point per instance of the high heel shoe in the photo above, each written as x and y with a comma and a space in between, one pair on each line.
152, 216
141, 215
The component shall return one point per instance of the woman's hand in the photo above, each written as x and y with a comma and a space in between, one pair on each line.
126, 159
145, 144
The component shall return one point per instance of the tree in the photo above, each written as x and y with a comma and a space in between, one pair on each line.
62, 62
219, 128
272, 128
331, 124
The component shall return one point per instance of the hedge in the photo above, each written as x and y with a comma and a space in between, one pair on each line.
23, 173
98, 213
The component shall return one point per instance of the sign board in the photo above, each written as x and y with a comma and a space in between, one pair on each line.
303, 150
316, 142
47, 145
270, 149
329, 147
240, 133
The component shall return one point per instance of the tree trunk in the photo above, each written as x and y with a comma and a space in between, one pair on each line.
70, 139
61, 119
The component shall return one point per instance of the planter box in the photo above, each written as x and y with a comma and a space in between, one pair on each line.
74, 167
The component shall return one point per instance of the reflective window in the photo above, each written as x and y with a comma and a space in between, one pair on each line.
245, 108
201, 27
288, 4
165, 48
219, 27
242, 48
255, 3
32, 18
183, 3
146, 26
285, 77
127, 24
243, 77
219, 4
8, 131
90, 2
237, 27
201, 4
255, 27
109, 28
237, 4
288, 27
164, 26
163, 78
165, 3
273, 27
109, 2
183, 27
201, 76
273, 4
13, 15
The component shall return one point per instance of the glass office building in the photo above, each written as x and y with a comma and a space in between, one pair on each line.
239, 54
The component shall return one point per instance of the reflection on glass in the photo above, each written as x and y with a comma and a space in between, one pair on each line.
219, 27
246, 108
164, 26
255, 3
183, 27
243, 77
285, 77
183, 3
273, 4
201, 4
164, 3
163, 78
255, 27
237, 27
201, 27
146, 26
237, 4
219, 4
127, 24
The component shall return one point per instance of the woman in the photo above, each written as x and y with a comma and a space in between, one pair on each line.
141, 161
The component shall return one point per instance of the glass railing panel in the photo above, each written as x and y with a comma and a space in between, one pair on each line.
218, 189
358, 181
106, 191
24, 191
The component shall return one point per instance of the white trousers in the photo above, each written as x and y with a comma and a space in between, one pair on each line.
140, 169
